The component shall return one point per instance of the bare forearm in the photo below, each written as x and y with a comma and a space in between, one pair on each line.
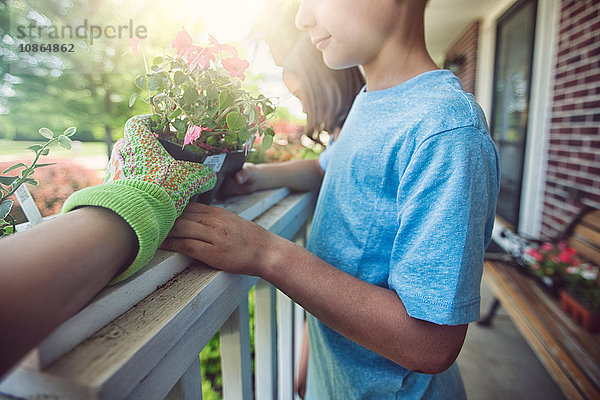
51, 271
298, 175
371, 316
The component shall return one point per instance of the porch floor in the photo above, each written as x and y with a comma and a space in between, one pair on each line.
497, 364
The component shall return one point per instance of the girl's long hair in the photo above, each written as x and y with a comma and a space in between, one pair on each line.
327, 94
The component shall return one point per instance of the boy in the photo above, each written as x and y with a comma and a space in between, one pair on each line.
404, 215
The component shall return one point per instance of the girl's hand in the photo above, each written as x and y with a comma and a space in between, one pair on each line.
245, 180
224, 240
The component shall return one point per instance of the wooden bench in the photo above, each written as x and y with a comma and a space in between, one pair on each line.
570, 354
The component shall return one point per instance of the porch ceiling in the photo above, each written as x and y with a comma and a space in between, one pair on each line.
445, 20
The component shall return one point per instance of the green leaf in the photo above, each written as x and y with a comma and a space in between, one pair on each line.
267, 141
157, 60
231, 137
45, 152
212, 92
179, 125
19, 165
64, 142
235, 121
70, 131
154, 82
252, 115
44, 165
31, 181
8, 180
35, 147
175, 113
190, 96
140, 81
5, 208
179, 77
244, 134
47, 133
132, 99
224, 101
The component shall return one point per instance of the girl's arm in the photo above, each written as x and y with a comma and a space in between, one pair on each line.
51, 271
298, 175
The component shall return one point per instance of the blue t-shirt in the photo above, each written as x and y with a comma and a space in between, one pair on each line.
407, 203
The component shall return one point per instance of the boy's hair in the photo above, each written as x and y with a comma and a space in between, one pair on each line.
327, 94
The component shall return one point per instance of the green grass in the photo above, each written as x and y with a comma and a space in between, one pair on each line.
80, 149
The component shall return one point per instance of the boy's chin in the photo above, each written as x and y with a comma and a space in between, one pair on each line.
337, 62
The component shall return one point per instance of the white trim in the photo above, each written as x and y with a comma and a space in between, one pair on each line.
540, 103
536, 156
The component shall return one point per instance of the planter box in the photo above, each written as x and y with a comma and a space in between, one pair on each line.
224, 164
589, 320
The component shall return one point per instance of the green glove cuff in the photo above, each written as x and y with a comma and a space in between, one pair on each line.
145, 206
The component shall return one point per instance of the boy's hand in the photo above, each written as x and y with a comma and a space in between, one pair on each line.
224, 240
246, 180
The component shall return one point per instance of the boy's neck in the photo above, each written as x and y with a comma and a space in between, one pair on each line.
386, 72
404, 54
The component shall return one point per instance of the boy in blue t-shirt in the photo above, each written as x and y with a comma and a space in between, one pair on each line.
406, 208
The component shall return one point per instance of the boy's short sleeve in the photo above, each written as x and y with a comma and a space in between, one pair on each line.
446, 204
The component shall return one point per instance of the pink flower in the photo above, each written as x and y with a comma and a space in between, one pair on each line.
223, 46
182, 41
197, 56
535, 254
134, 44
535, 266
235, 66
547, 247
193, 133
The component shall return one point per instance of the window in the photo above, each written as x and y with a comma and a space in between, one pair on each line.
510, 106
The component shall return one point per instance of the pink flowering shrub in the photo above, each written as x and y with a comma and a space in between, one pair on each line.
56, 183
551, 259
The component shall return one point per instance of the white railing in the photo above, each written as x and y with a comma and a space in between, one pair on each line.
141, 338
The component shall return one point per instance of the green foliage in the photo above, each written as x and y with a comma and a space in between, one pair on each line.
10, 184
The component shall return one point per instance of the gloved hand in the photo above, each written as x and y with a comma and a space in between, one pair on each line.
146, 187
140, 156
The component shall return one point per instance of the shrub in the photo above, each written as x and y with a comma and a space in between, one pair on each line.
57, 182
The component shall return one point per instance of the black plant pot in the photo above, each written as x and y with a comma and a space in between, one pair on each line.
224, 164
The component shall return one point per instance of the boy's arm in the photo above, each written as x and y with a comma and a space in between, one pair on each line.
53, 270
369, 315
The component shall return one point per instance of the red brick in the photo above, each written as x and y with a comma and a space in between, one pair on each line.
591, 104
595, 144
580, 93
589, 130
586, 156
583, 68
586, 43
592, 78
577, 118
577, 143
587, 18
584, 181
594, 171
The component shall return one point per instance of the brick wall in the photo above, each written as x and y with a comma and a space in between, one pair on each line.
463, 54
573, 173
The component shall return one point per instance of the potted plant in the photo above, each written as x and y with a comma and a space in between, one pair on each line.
200, 111
548, 263
581, 298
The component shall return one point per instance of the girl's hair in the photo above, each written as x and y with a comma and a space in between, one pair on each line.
327, 94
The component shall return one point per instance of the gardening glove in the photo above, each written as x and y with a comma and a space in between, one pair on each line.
146, 186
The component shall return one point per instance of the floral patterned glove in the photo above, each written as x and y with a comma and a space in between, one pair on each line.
146, 187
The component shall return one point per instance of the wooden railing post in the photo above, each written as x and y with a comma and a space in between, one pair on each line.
285, 351
235, 354
265, 341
